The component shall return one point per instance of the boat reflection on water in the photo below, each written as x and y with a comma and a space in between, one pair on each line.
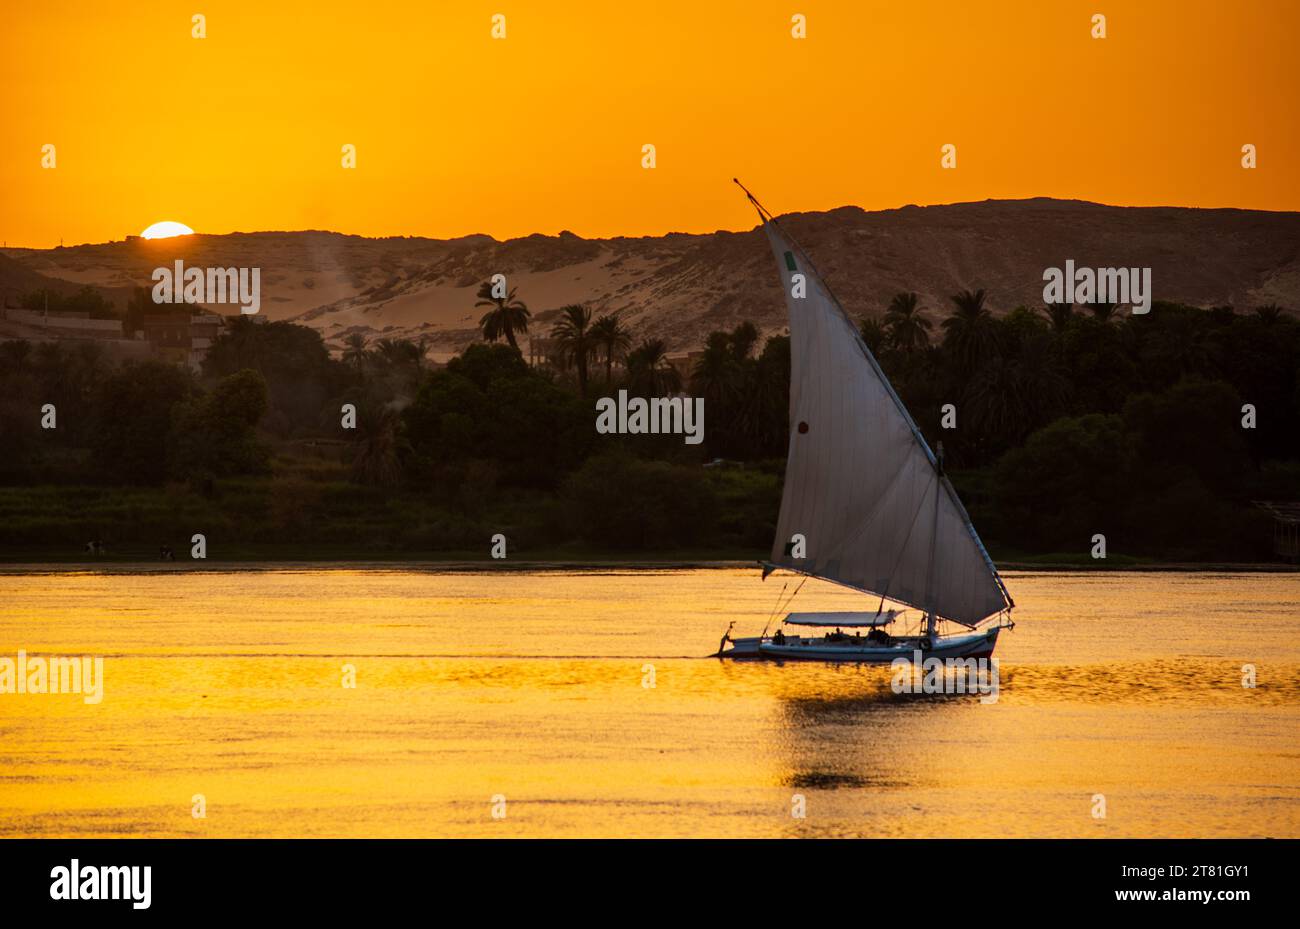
845, 730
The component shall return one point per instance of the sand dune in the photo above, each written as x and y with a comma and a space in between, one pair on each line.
679, 287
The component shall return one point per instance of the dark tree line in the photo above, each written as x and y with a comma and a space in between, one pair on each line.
141, 422
1067, 422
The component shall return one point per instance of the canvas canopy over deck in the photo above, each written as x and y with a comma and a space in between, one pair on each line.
848, 620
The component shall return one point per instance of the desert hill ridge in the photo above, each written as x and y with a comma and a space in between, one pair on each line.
679, 286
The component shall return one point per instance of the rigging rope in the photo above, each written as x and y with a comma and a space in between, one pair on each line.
776, 609
803, 580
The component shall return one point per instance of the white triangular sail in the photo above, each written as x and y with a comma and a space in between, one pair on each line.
860, 481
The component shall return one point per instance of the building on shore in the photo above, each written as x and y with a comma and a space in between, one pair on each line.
1286, 527
66, 325
684, 364
183, 338
72, 328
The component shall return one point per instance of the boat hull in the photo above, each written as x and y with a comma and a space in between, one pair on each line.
742, 648
973, 645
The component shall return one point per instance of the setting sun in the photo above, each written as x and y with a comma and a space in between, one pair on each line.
165, 230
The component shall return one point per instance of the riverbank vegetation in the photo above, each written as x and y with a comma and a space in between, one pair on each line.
1063, 424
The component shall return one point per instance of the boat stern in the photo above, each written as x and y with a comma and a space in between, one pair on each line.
743, 647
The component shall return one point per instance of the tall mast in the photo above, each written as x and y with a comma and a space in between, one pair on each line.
930, 619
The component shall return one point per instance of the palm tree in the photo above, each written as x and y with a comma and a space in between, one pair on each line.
1059, 315
1007, 401
422, 346
1103, 311
610, 335
716, 376
969, 332
908, 330
997, 407
507, 316
354, 350
766, 405
574, 340
648, 371
1185, 345
398, 353
743, 339
1269, 313
873, 334
1039, 372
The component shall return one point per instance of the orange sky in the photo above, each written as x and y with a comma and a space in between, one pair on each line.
542, 131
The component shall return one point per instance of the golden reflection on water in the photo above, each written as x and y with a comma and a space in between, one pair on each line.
530, 685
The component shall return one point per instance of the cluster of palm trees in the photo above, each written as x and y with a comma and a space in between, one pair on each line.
968, 332
746, 390
582, 340
1010, 375
1014, 374
970, 327
385, 369
1004, 375
384, 354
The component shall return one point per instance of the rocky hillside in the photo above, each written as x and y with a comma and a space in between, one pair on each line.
678, 287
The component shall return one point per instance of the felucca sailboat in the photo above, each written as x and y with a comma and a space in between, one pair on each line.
866, 503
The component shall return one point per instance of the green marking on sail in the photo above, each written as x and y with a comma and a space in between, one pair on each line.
789, 261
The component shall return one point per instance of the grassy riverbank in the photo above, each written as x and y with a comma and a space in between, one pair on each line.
307, 512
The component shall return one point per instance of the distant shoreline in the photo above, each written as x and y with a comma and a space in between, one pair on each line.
464, 562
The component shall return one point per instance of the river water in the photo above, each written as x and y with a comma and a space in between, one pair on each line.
580, 703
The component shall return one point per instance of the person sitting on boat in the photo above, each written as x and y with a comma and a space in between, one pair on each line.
779, 638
